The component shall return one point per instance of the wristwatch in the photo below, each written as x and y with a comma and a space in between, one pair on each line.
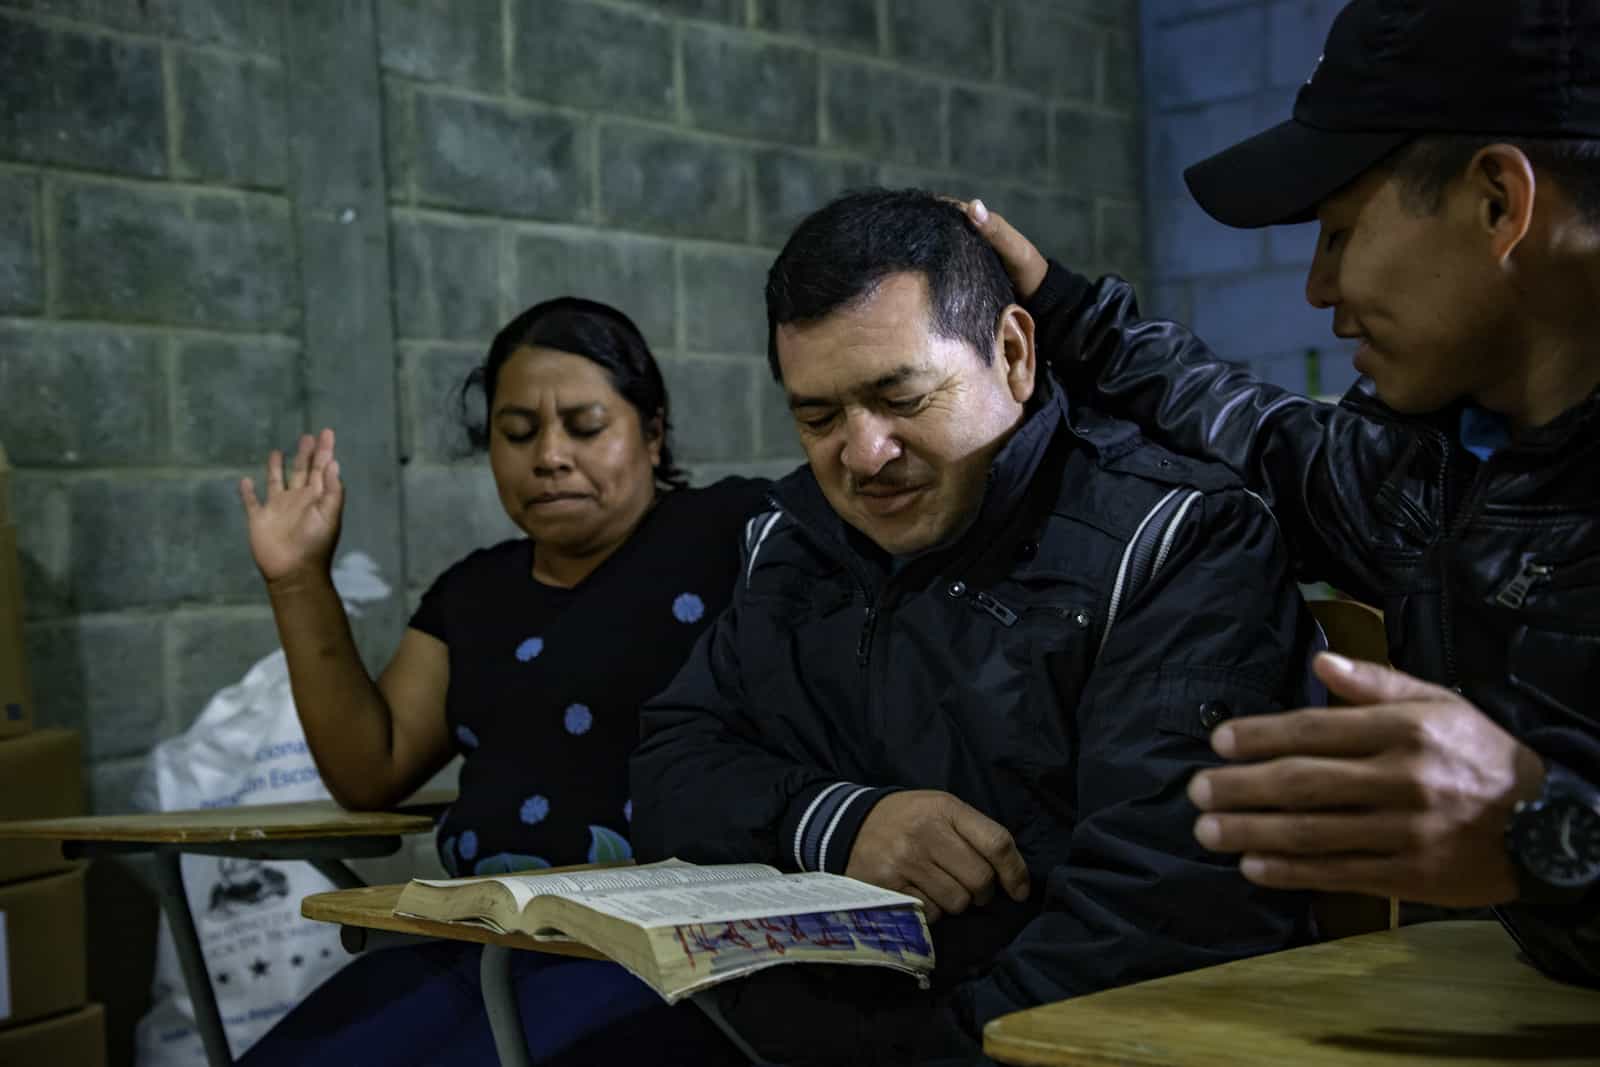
1554, 841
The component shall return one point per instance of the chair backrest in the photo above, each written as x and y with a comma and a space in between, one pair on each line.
1355, 630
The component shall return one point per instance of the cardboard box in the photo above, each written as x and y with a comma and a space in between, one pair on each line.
16, 691
43, 950
75, 1040
41, 777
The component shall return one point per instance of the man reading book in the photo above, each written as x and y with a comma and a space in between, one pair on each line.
975, 654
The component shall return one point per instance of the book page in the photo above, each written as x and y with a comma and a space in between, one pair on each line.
735, 900
587, 886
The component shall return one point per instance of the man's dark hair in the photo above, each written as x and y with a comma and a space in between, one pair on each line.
1428, 165
839, 254
597, 332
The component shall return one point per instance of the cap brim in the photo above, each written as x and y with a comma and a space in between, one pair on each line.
1281, 175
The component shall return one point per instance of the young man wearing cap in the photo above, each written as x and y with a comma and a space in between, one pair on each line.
1451, 153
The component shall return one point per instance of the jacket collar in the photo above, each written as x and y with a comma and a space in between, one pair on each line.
1009, 478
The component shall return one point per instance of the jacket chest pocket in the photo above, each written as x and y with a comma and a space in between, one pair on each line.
1554, 653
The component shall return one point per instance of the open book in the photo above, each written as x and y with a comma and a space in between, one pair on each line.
682, 928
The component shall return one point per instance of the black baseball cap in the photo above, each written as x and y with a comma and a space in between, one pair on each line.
1395, 69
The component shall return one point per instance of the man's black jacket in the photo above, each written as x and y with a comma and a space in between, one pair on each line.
1040, 669
1488, 572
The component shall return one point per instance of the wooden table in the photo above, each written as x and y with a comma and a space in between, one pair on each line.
318, 832
1438, 993
362, 912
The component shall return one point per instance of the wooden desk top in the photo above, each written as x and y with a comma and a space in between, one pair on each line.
1438, 993
372, 908
262, 822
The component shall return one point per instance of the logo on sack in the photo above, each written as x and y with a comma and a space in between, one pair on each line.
243, 884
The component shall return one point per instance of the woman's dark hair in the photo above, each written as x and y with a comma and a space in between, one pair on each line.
597, 332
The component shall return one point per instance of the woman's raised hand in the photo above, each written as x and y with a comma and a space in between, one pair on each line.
295, 531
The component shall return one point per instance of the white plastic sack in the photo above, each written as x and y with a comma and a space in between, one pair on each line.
245, 748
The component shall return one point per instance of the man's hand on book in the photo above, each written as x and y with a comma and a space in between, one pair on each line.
939, 849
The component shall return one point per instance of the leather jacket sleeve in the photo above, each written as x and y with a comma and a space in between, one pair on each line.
1307, 459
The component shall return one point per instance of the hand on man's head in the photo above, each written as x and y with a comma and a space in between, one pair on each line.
939, 849
1406, 794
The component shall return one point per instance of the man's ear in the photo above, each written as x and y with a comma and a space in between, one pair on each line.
1501, 183
1015, 351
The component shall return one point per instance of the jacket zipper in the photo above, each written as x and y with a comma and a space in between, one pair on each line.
1515, 592
864, 645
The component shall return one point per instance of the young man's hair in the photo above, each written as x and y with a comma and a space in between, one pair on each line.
838, 256
1428, 165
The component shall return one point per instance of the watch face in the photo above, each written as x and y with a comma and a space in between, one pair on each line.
1559, 843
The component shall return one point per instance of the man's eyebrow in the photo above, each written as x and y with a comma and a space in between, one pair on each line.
898, 376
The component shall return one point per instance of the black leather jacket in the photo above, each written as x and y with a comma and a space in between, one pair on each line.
1048, 669
1488, 572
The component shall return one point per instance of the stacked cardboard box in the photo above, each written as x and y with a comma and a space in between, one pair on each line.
44, 1014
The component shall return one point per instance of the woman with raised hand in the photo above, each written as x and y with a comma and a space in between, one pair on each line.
531, 660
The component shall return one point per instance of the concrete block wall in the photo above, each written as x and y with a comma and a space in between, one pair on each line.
1217, 71
197, 260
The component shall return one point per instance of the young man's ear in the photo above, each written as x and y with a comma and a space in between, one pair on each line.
1501, 182
1016, 352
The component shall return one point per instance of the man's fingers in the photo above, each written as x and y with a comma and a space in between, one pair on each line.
274, 473
1302, 783
994, 843
247, 497
933, 884
1023, 262
1360, 682
1299, 834
1379, 876
1341, 732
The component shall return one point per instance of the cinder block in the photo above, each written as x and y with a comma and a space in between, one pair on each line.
1186, 242
21, 272
79, 396
750, 89
950, 36
1098, 154
1049, 54
446, 279
399, 139
791, 185
1122, 85
1210, 57
883, 114
433, 408
578, 53
224, 261
1168, 302
851, 24
81, 100
776, 436
212, 649
114, 784
1121, 13
1183, 139
999, 133
1060, 224
713, 406
451, 41
724, 302
633, 274
500, 159
450, 510
1247, 318
42, 507
237, 400
142, 541
103, 675
232, 127
1296, 32
1293, 246
664, 183
247, 25
731, 11
1120, 245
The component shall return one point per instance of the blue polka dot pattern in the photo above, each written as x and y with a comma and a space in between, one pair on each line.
578, 719
534, 809
530, 648
467, 845
467, 738
627, 811
688, 608
447, 856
